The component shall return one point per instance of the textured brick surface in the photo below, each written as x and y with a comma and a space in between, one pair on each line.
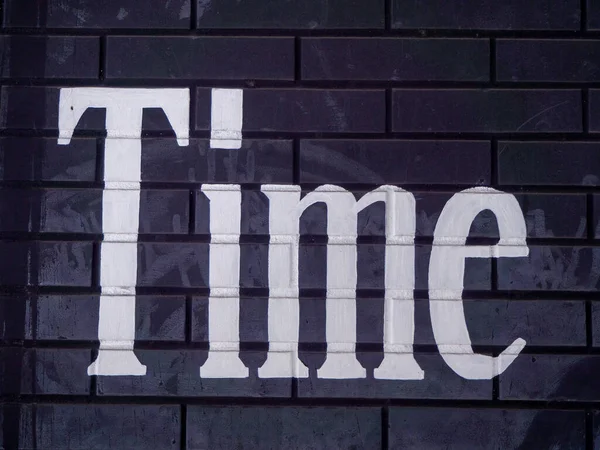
494, 110
311, 14
395, 59
486, 15
284, 427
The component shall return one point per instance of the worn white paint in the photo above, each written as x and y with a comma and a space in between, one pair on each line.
224, 277
120, 205
446, 276
227, 113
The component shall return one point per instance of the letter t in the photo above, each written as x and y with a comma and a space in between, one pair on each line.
120, 205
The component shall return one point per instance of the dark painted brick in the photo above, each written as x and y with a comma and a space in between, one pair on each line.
71, 211
395, 162
442, 428
542, 323
61, 372
554, 215
593, 15
395, 59
308, 14
551, 269
61, 57
493, 110
160, 318
16, 367
14, 270
26, 107
90, 14
85, 426
594, 110
283, 427
596, 324
15, 317
305, 110
64, 263
440, 382
206, 57
596, 430
258, 161
67, 317
486, 14
177, 373
547, 60
43, 159
173, 265
596, 216
16, 209
164, 211
519, 163
551, 377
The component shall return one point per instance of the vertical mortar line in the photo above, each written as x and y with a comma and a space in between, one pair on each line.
183, 428
387, 14
193, 14
297, 59
102, 62
385, 427
589, 429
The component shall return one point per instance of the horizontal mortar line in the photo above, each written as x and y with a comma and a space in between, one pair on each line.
304, 347
288, 401
348, 32
250, 83
304, 293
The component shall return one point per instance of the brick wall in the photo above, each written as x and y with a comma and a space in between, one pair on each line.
434, 97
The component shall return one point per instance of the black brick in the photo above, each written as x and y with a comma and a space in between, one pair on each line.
594, 110
43, 159
173, 265
258, 161
14, 268
549, 268
135, 427
543, 163
164, 211
305, 110
554, 215
395, 59
230, 58
15, 317
547, 60
71, 211
593, 15
67, 317
61, 372
551, 377
160, 318
65, 57
16, 207
596, 216
486, 14
283, 427
395, 162
494, 110
65, 263
440, 428
309, 14
90, 14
